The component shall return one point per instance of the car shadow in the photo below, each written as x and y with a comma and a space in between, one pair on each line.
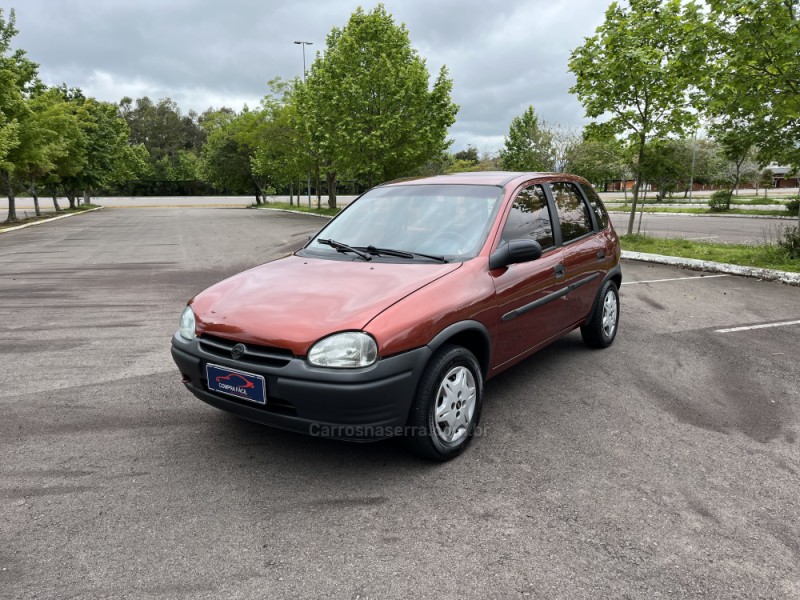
237, 439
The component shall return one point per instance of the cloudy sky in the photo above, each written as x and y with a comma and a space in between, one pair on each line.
502, 55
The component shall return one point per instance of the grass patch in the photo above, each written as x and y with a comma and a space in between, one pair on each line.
739, 200
706, 211
330, 212
46, 215
766, 256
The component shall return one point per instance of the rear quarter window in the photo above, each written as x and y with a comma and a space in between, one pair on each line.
597, 206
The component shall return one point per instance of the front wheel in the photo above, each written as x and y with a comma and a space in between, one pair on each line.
447, 405
601, 330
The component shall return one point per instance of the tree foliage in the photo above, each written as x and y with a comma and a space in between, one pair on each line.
529, 145
600, 161
636, 72
367, 103
173, 140
753, 77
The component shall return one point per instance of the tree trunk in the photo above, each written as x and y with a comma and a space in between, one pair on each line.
625, 186
36, 203
641, 211
632, 218
12, 206
71, 198
331, 177
319, 188
299, 191
291, 194
55, 203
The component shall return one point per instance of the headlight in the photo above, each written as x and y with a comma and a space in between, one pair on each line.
344, 350
186, 326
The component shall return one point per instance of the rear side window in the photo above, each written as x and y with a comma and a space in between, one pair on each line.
597, 205
529, 218
572, 211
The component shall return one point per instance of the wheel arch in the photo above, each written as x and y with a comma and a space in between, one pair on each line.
614, 275
472, 335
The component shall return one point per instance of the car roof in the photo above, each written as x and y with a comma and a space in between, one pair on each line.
498, 178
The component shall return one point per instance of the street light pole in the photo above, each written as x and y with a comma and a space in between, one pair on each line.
304, 44
691, 173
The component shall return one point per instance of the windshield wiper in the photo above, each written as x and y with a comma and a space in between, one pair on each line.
340, 247
402, 253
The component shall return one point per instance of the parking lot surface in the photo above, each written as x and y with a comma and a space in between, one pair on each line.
665, 466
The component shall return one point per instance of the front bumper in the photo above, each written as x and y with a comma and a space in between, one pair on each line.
357, 404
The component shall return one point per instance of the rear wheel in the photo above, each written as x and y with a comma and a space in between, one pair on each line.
601, 330
447, 405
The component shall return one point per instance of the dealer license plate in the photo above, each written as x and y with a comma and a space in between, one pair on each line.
240, 384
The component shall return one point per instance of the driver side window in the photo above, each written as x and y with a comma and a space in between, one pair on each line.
529, 218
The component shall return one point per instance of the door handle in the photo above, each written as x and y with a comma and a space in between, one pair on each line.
559, 269
601, 254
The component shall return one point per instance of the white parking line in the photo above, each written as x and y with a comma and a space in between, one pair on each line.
764, 326
672, 279
708, 237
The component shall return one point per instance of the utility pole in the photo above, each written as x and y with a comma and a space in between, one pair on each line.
691, 173
304, 44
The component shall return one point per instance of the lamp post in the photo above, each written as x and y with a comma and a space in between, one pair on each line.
691, 173
304, 44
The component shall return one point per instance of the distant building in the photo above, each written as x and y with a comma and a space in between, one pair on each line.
785, 177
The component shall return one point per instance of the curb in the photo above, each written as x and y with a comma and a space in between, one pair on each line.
294, 212
716, 216
715, 267
131, 207
49, 220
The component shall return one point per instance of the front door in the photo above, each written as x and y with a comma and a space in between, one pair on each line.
530, 313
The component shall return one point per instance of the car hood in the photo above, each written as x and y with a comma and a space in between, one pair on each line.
293, 302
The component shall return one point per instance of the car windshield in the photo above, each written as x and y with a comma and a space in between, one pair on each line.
441, 221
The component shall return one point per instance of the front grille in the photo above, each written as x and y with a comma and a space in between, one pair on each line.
259, 355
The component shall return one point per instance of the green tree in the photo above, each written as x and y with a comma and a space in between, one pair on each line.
109, 157
737, 144
636, 72
227, 157
46, 136
18, 140
599, 161
754, 73
368, 105
73, 136
666, 164
529, 145
169, 136
766, 179
282, 151
470, 155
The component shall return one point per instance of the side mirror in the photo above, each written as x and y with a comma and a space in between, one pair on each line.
515, 251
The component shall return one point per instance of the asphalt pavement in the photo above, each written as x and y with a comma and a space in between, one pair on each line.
744, 229
740, 230
665, 466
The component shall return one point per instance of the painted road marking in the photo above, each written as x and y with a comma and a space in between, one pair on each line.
764, 326
672, 279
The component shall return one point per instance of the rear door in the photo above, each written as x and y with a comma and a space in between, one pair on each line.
584, 252
529, 313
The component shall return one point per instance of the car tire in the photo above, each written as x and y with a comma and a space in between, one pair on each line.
447, 404
602, 328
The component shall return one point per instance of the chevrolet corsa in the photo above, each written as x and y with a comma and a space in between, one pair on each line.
392, 317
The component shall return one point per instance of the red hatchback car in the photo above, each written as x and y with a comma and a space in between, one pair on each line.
389, 321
